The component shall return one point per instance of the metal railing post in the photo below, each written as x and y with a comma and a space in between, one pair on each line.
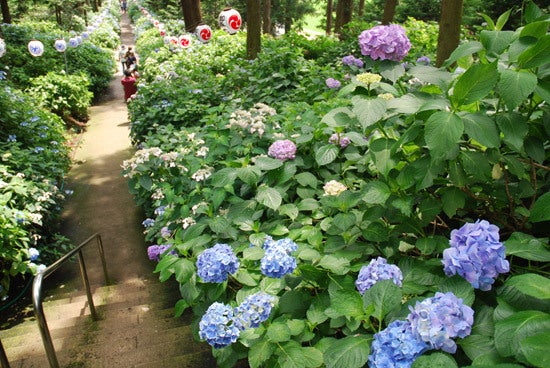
86, 283
102, 256
41, 319
3, 358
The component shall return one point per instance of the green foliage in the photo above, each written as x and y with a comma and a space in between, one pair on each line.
97, 63
64, 95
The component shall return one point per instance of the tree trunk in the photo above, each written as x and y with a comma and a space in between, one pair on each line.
192, 15
361, 9
449, 29
328, 28
253, 29
6, 16
58, 14
344, 10
266, 17
389, 11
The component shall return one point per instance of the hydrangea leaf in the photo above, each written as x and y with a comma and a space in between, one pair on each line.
535, 349
536, 55
269, 197
223, 177
260, 352
385, 296
516, 86
476, 83
267, 163
443, 130
540, 212
346, 303
527, 247
278, 332
527, 289
349, 352
477, 345
459, 287
368, 111
435, 360
324, 155
482, 129
514, 127
510, 331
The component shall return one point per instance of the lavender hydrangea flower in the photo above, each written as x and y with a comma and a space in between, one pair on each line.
216, 263
155, 251
33, 254
378, 269
423, 60
277, 260
396, 346
254, 310
339, 139
148, 222
385, 42
476, 254
351, 60
439, 319
216, 326
333, 83
283, 149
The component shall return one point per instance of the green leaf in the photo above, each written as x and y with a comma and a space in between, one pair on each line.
253, 253
534, 30
245, 278
292, 355
346, 303
267, 163
466, 49
260, 352
510, 331
443, 131
459, 287
541, 209
308, 204
376, 192
482, 129
502, 19
183, 270
368, 111
278, 332
432, 75
385, 296
307, 179
516, 86
391, 70
452, 199
476, 165
349, 352
381, 150
476, 82
146, 182
531, 284
536, 55
496, 41
514, 128
269, 197
290, 210
339, 266
249, 174
532, 12
180, 307
434, 360
535, 349
324, 155
527, 247
477, 345
223, 177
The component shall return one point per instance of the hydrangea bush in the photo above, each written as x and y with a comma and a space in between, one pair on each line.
433, 179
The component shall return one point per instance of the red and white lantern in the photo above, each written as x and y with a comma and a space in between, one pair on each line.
173, 40
204, 33
230, 21
36, 48
60, 45
185, 41
162, 32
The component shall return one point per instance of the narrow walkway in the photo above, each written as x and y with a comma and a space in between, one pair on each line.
137, 327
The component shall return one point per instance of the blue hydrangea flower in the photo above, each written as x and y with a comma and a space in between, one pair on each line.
276, 262
12, 138
423, 60
33, 254
216, 326
216, 263
159, 211
476, 254
385, 42
254, 310
38, 149
396, 346
439, 319
378, 269
154, 252
148, 222
286, 244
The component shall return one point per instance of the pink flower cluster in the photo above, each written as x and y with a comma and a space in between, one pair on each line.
283, 150
385, 42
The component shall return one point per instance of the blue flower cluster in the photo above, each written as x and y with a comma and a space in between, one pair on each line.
254, 310
216, 263
148, 222
277, 260
476, 254
378, 269
33, 254
439, 319
217, 327
396, 346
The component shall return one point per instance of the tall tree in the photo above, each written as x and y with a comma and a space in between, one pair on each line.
5, 11
389, 11
192, 15
361, 8
328, 29
253, 29
266, 17
344, 10
449, 29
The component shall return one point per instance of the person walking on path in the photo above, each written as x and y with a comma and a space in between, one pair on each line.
129, 84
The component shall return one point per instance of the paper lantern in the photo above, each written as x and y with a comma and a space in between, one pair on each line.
162, 32
36, 48
2, 47
174, 40
73, 42
230, 21
79, 40
203, 32
185, 40
156, 23
60, 45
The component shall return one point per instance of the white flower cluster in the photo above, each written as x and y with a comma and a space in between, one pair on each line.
334, 188
202, 174
252, 119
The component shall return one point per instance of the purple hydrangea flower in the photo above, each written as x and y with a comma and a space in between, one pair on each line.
423, 60
254, 310
378, 269
439, 319
340, 140
396, 346
216, 263
33, 254
385, 42
277, 260
216, 326
165, 232
333, 83
476, 254
351, 60
154, 252
283, 149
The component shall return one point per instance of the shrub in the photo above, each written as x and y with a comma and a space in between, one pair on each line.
97, 63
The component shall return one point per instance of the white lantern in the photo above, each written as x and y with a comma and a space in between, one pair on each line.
230, 21
203, 32
73, 42
185, 40
36, 48
60, 45
2, 47
79, 40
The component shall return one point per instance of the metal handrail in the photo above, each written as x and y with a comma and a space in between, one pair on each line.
37, 293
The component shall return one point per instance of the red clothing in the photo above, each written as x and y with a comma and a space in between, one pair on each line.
130, 87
